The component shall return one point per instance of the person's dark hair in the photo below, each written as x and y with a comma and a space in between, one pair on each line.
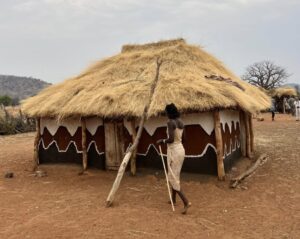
172, 111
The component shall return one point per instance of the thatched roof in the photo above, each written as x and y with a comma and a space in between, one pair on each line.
283, 91
119, 86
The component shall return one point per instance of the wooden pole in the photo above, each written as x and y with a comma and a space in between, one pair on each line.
248, 141
83, 144
169, 191
130, 151
36, 144
251, 133
133, 157
219, 145
124, 163
243, 133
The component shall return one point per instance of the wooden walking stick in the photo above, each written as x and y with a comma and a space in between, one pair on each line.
162, 159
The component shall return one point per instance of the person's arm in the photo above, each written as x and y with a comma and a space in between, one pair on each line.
171, 128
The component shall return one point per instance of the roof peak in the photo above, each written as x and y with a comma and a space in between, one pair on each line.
159, 44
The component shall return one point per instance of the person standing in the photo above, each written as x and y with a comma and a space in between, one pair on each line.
175, 153
297, 108
272, 109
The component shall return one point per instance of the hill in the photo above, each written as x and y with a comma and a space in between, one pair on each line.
20, 87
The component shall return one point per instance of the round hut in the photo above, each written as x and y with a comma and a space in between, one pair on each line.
93, 118
281, 96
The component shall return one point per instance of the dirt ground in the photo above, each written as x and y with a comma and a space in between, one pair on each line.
66, 205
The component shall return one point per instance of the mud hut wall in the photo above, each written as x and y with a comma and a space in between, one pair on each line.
61, 141
200, 145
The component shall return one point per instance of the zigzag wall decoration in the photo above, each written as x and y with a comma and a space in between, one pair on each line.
229, 120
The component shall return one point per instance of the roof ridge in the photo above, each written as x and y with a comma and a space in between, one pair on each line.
159, 44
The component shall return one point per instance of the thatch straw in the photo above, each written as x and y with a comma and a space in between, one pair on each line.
119, 86
283, 91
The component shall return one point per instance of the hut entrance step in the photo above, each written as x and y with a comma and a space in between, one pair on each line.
114, 145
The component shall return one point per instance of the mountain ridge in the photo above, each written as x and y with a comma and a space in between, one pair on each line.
20, 87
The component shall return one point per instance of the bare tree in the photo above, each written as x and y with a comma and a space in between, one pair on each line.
266, 75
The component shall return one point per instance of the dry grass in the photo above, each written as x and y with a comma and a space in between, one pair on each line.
14, 111
283, 91
12, 121
119, 86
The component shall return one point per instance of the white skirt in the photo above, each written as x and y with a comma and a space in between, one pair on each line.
175, 158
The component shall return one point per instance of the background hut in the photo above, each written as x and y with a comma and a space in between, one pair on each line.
281, 96
92, 118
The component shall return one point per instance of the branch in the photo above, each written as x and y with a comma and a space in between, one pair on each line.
260, 161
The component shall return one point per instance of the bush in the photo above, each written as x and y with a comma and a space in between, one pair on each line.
15, 124
6, 100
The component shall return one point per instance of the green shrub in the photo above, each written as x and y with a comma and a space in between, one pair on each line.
5, 100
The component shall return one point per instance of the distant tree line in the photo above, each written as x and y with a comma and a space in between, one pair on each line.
9, 101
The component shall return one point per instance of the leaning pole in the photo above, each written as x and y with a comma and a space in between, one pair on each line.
131, 150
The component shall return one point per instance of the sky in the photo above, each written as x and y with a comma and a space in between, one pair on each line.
56, 39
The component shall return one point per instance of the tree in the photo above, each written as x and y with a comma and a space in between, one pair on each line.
5, 100
266, 75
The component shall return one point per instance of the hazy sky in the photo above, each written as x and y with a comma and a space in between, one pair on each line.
56, 39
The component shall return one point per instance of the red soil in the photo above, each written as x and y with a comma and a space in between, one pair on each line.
66, 205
